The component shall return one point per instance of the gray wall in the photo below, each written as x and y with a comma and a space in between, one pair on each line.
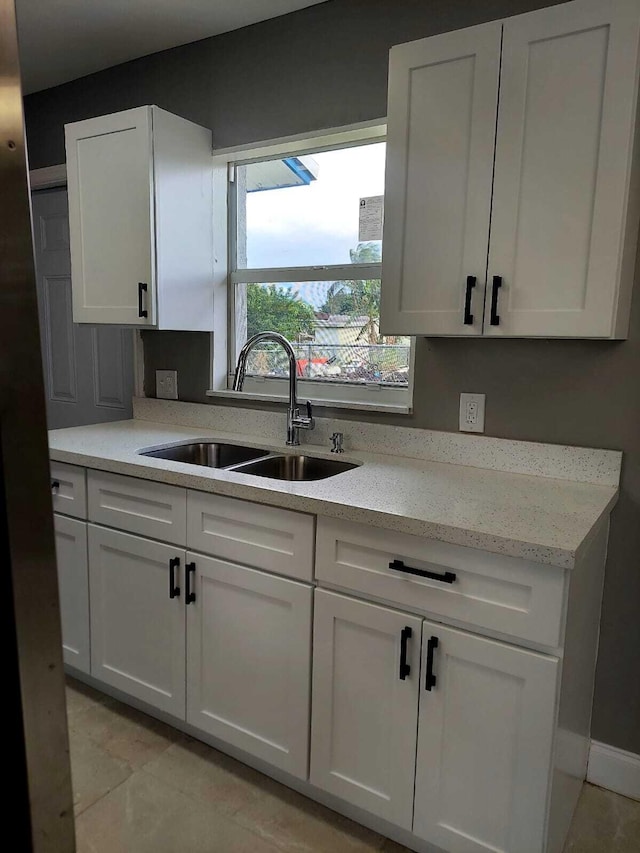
326, 66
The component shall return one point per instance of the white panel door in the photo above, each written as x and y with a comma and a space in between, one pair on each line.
88, 370
563, 151
137, 627
443, 94
363, 731
485, 737
111, 218
249, 660
73, 588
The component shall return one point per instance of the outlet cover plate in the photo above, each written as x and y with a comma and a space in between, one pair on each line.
472, 412
167, 384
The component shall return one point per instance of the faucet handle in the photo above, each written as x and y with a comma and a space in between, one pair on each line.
302, 421
310, 421
337, 439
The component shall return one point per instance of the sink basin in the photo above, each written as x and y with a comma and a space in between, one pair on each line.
298, 468
252, 460
209, 454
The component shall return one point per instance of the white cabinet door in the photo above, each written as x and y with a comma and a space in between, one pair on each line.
73, 587
137, 628
249, 659
485, 738
443, 94
363, 732
564, 143
110, 181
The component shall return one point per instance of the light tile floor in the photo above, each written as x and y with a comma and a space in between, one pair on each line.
142, 787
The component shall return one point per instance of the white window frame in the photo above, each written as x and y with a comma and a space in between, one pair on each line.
368, 396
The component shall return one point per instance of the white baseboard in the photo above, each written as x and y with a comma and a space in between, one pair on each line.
614, 769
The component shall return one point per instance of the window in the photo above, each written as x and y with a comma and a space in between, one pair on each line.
305, 261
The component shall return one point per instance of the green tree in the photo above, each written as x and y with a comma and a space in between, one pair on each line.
358, 298
366, 253
276, 309
339, 300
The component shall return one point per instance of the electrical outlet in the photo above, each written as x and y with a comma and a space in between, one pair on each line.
167, 384
472, 412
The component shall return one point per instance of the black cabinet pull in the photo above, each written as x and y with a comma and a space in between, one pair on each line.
55, 487
142, 289
468, 316
405, 668
497, 284
399, 566
190, 569
174, 591
430, 680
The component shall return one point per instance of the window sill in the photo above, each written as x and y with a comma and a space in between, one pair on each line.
356, 405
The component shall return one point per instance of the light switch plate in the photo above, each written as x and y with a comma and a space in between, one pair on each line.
167, 384
472, 412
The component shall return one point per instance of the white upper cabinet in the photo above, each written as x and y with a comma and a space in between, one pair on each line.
443, 97
140, 220
560, 238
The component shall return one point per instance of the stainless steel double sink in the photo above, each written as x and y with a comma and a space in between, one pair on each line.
252, 460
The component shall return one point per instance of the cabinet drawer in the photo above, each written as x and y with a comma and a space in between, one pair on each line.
138, 506
69, 489
504, 594
265, 537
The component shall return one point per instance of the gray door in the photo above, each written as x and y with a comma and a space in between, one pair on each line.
88, 370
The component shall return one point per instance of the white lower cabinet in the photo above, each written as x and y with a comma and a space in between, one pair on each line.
485, 737
365, 704
484, 713
248, 660
73, 588
137, 627
442, 732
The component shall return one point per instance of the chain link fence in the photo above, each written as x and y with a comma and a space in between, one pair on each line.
386, 364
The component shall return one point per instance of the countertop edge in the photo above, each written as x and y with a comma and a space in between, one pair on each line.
564, 558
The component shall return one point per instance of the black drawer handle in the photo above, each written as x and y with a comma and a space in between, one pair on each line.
174, 591
190, 569
399, 566
405, 668
55, 487
142, 289
468, 316
497, 284
430, 680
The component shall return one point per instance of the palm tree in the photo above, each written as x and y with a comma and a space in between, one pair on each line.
359, 297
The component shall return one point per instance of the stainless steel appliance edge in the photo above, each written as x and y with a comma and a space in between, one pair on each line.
40, 803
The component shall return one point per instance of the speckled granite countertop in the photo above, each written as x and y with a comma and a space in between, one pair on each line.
538, 518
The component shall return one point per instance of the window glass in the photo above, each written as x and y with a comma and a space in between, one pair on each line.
307, 222
332, 325
305, 210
